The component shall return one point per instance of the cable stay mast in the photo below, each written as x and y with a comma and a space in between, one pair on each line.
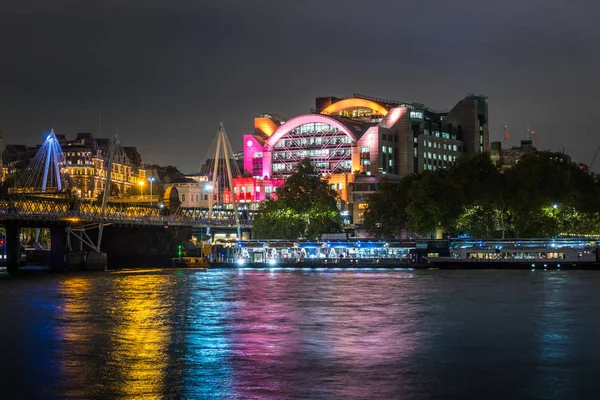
221, 174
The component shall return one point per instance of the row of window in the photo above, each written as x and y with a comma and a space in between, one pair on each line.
316, 127
311, 153
443, 135
436, 145
322, 166
78, 154
314, 141
435, 156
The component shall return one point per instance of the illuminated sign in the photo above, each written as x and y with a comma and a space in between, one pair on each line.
416, 114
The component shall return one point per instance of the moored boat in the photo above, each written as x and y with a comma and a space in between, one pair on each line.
518, 257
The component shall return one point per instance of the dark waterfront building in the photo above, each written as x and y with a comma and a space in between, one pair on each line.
506, 158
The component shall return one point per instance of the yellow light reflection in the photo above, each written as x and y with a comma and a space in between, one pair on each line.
75, 336
142, 336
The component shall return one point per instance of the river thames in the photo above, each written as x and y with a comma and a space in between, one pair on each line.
250, 334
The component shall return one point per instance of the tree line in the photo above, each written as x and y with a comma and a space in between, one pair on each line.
305, 207
544, 195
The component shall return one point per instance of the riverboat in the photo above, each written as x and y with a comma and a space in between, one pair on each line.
519, 257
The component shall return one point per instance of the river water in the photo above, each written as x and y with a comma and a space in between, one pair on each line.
250, 334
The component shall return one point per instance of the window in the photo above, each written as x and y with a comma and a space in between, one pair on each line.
183, 197
454, 147
384, 149
339, 186
365, 149
205, 197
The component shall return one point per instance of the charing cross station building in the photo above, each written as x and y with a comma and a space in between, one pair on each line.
354, 141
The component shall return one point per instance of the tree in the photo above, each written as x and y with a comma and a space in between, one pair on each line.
434, 201
305, 206
386, 212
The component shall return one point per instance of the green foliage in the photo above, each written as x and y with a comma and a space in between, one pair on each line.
478, 221
305, 207
544, 195
434, 201
386, 215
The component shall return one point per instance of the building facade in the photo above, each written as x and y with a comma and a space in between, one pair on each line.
84, 164
365, 136
507, 158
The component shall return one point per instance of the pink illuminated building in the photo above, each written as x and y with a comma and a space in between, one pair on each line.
251, 190
348, 138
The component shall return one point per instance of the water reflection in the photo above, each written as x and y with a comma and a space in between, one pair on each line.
75, 335
301, 334
207, 371
554, 338
293, 333
140, 336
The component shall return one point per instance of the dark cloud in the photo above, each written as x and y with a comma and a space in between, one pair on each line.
164, 73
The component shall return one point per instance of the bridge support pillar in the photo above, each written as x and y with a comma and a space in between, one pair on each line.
58, 237
13, 248
76, 244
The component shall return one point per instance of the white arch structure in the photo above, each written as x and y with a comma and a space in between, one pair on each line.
330, 150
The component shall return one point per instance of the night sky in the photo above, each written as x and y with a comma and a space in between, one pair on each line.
165, 73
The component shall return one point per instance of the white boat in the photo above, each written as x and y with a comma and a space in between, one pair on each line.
519, 257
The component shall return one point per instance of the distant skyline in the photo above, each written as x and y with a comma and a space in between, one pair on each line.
165, 73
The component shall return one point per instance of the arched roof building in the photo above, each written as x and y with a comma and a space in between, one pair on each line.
362, 135
367, 135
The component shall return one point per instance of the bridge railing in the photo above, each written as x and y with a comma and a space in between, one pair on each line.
64, 209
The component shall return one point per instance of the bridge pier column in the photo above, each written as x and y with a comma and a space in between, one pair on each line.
13, 248
58, 237
76, 244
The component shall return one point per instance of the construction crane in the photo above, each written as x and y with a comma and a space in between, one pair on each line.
535, 141
594, 158
531, 135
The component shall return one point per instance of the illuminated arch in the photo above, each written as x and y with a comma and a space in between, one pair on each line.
171, 199
296, 122
352, 103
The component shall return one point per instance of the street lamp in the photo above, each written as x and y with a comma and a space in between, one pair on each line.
141, 183
151, 179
